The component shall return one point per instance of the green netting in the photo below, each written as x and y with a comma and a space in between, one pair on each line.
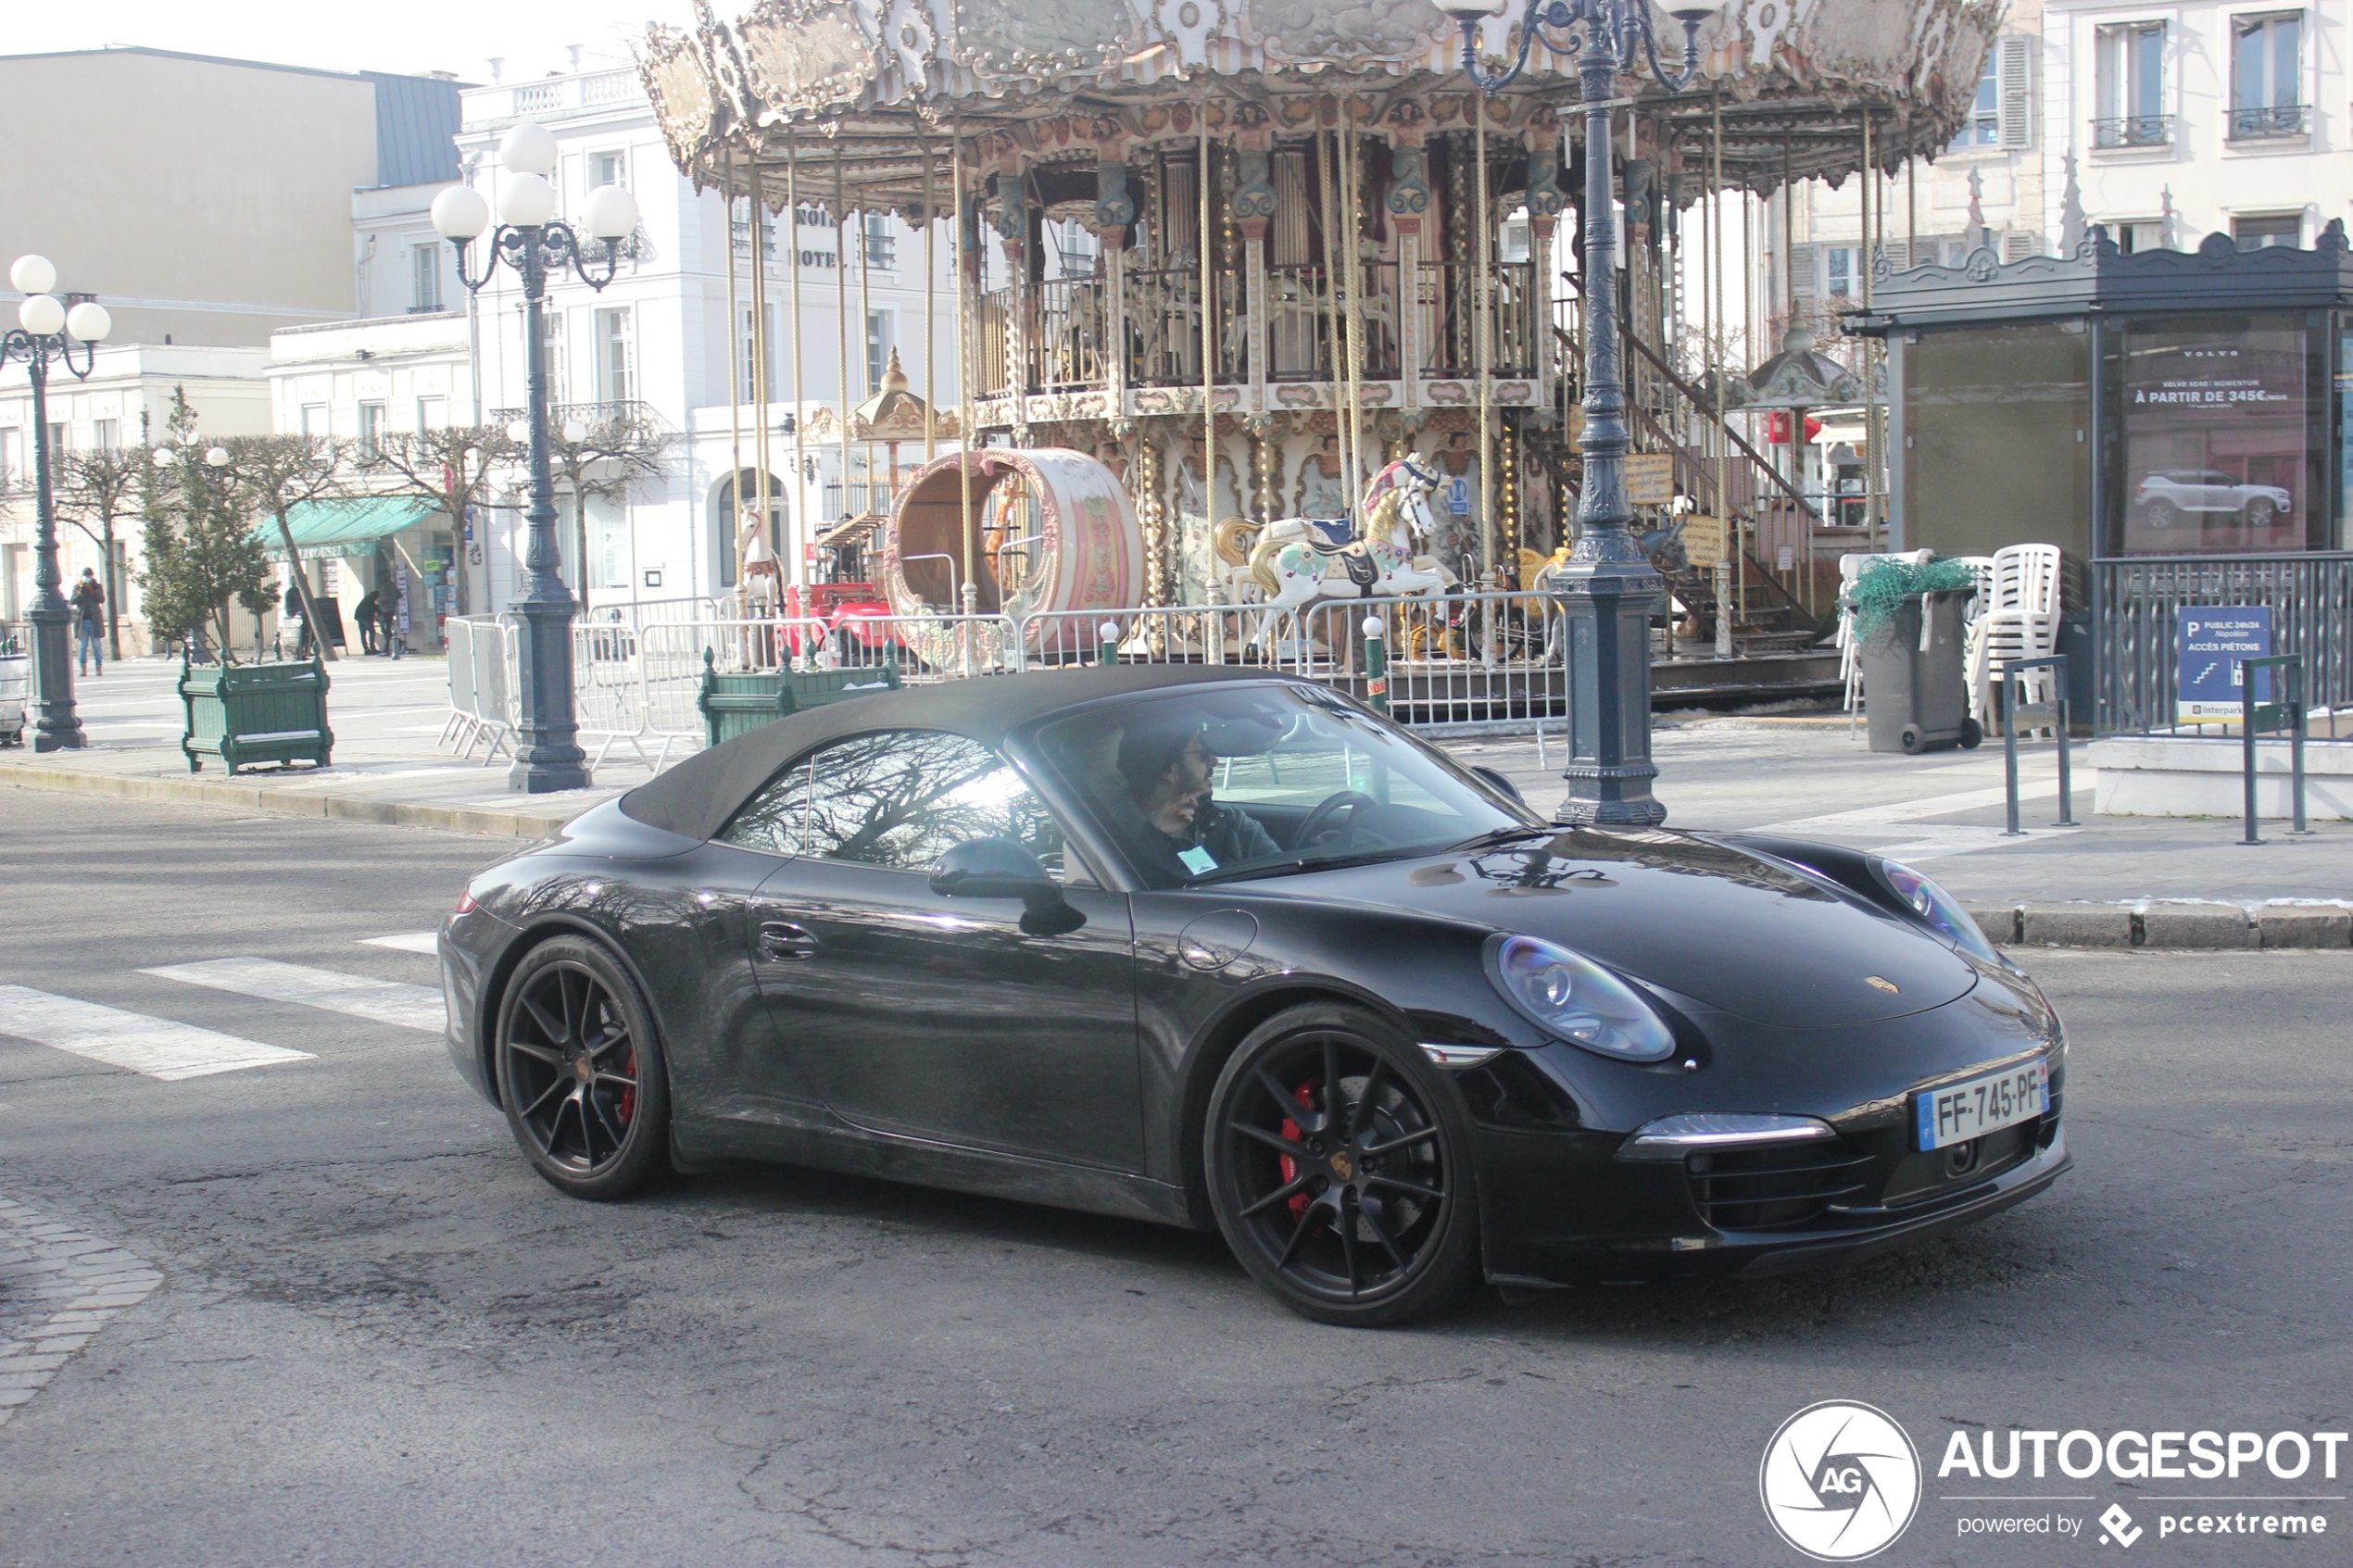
1882, 587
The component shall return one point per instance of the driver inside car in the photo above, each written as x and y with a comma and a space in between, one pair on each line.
1177, 831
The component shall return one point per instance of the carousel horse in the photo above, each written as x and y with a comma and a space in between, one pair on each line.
763, 581
1295, 564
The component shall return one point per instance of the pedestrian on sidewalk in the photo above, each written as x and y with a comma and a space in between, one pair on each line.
366, 615
89, 617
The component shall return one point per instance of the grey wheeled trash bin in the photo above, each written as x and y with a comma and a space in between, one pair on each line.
1915, 690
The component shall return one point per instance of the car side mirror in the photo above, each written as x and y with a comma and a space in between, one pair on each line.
999, 867
1501, 784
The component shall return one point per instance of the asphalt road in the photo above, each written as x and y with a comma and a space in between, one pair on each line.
379, 1339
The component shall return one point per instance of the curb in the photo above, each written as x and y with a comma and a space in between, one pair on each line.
2170, 924
293, 803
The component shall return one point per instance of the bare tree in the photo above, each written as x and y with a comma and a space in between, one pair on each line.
605, 456
274, 474
97, 488
448, 468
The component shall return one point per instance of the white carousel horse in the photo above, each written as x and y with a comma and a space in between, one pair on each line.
1295, 567
763, 581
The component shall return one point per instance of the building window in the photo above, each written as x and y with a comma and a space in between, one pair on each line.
608, 168
424, 279
1984, 126
2277, 229
432, 413
2267, 76
1071, 249
614, 381
2129, 69
882, 336
741, 226
879, 245
60, 441
2134, 237
746, 390
371, 427
108, 434
1512, 248
314, 420
11, 456
1842, 272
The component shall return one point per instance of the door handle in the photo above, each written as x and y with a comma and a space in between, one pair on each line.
782, 940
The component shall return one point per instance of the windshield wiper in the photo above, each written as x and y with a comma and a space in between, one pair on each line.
1304, 862
1495, 838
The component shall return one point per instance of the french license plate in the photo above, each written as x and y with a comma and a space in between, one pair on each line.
1961, 1112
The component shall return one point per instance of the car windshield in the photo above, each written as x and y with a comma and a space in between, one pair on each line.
1216, 783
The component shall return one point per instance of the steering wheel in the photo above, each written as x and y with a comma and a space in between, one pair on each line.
1349, 800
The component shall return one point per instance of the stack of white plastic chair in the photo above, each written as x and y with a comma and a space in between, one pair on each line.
2020, 620
1982, 568
1850, 652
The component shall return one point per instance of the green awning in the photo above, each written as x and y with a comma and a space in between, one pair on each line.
345, 528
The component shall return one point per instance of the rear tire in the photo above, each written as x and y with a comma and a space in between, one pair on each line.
1337, 1162
581, 1072
2260, 513
2163, 514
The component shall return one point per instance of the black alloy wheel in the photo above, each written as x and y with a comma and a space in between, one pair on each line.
1338, 1167
580, 1071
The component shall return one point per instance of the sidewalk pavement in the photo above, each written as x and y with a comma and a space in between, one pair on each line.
2117, 878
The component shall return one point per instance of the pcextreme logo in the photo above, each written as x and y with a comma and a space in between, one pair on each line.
1840, 1481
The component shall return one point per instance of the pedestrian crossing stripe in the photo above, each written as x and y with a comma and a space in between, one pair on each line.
157, 1047
380, 1001
423, 942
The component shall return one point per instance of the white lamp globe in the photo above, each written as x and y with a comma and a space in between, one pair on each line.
42, 315
216, 456
575, 432
612, 213
165, 456
528, 148
1694, 11
32, 274
89, 321
527, 201
1372, 627
459, 213
1455, 9
519, 431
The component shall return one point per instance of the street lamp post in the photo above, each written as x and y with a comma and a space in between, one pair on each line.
45, 330
533, 244
1608, 588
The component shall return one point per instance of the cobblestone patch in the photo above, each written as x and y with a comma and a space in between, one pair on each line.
58, 1287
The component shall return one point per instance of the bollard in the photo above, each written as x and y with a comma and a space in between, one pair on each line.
1376, 666
2291, 667
2013, 687
1107, 643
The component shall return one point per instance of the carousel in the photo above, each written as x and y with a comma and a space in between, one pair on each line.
1254, 298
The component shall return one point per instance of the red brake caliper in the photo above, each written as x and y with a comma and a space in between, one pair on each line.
1290, 1167
629, 1095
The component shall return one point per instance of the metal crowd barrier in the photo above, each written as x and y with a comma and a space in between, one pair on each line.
482, 685
1456, 658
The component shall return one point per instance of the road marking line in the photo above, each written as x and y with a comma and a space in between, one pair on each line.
381, 1001
407, 942
58, 1287
155, 1047
1914, 810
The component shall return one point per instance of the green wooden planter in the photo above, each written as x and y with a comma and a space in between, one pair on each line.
247, 714
737, 705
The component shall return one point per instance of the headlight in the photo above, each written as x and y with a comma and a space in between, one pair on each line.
1568, 995
1936, 908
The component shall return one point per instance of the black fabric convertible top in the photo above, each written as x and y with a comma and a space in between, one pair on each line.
697, 796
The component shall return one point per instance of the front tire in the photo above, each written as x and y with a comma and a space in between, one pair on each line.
581, 1072
1338, 1168
2260, 513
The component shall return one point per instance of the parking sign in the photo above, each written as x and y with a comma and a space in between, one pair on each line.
2212, 641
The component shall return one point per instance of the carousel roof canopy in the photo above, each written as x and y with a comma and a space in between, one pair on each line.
866, 97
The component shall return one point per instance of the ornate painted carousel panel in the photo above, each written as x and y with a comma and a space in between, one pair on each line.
1223, 266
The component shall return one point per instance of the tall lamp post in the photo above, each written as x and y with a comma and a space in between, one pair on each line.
533, 244
1609, 588
45, 330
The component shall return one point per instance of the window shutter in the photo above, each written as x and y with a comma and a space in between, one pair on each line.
2018, 244
2017, 84
1805, 264
1899, 254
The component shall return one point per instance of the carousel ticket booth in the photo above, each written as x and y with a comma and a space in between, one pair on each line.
2175, 423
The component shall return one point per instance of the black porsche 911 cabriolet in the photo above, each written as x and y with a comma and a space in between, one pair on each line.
1225, 948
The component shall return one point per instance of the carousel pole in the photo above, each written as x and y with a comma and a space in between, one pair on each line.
872, 379
1712, 300
1483, 353
966, 316
931, 300
841, 328
1325, 156
799, 406
1352, 253
1870, 407
1208, 344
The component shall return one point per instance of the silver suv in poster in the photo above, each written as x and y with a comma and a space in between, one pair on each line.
2169, 496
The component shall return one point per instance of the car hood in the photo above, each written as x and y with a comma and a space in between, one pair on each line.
1727, 928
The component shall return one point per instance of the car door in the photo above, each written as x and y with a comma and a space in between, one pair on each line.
939, 1018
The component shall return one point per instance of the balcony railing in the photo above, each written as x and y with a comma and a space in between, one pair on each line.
1299, 324
2132, 130
1069, 351
1164, 328
1450, 325
2268, 123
